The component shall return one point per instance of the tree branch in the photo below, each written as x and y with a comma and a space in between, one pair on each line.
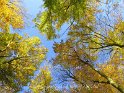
109, 80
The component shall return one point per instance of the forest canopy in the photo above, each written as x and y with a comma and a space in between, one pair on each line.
88, 60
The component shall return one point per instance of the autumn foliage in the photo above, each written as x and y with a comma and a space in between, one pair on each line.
89, 59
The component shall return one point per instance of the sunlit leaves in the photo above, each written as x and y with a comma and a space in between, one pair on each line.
10, 15
42, 81
92, 34
57, 12
19, 58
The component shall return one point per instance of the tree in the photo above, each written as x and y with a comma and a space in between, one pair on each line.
20, 56
42, 82
11, 14
57, 12
94, 29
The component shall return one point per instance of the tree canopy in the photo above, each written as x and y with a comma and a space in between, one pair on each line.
95, 30
91, 57
19, 56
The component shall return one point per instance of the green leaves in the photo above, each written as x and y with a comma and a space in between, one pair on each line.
95, 30
58, 12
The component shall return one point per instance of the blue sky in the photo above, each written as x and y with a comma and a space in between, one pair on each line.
33, 7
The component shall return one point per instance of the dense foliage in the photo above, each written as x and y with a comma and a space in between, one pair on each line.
19, 56
89, 60
95, 30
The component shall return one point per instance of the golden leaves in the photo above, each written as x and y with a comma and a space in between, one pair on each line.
20, 57
10, 15
42, 81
